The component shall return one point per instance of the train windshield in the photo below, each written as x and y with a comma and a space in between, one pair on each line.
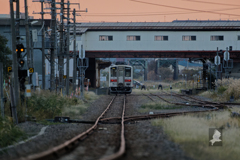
114, 72
127, 72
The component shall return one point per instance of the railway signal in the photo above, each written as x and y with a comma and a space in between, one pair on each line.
19, 50
226, 55
217, 60
21, 63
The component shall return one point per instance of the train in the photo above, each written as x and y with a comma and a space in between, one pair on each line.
120, 78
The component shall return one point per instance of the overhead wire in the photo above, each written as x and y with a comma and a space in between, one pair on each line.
156, 14
189, 9
224, 4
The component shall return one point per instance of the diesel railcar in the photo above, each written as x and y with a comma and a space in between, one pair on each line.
120, 78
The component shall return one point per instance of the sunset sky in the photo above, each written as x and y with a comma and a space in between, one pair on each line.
144, 10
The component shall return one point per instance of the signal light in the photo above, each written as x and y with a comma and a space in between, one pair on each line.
113, 80
21, 63
127, 80
19, 50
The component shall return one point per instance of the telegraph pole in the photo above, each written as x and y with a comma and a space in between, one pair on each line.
74, 51
53, 45
14, 63
43, 47
1, 89
68, 34
27, 38
61, 57
17, 20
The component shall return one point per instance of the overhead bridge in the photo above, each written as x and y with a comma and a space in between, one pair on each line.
177, 39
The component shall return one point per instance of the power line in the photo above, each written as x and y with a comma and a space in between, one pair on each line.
224, 4
161, 5
173, 13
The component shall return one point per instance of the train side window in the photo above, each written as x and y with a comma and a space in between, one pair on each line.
127, 72
113, 72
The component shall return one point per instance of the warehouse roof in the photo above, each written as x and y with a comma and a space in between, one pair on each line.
175, 25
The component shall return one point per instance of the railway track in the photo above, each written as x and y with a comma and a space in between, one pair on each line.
193, 99
69, 145
62, 149
209, 107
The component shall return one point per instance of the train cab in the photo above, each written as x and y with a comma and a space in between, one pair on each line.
120, 78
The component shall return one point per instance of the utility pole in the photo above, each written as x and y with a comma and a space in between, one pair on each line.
1, 89
74, 52
17, 20
43, 40
53, 44
14, 63
27, 38
61, 57
43, 47
68, 34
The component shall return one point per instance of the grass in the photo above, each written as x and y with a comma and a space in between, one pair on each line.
9, 133
47, 105
42, 105
191, 132
225, 89
157, 106
76, 110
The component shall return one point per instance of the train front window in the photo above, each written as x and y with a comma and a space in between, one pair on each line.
113, 72
127, 72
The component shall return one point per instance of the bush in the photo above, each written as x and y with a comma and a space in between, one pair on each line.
221, 89
9, 133
45, 104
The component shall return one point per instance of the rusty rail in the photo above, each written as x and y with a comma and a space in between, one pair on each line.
164, 115
61, 149
148, 97
121, 150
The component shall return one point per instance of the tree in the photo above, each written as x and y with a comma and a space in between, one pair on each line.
165, 73
5, 52
151, 66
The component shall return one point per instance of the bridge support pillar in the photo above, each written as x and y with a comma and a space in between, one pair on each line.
175, 72
145, 70
204, 74
91, 72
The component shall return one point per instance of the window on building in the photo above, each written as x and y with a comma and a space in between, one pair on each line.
161, 38
238, 38
217, 38
105, 38
133, 38
189, 38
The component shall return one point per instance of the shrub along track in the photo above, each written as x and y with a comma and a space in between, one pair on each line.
56, 152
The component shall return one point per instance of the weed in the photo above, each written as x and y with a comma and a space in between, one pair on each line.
191, 132
160, 105
9, 133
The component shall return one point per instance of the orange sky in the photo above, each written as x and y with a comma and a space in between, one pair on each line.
128, 10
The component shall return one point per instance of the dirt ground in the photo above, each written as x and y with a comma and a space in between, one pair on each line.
143, 141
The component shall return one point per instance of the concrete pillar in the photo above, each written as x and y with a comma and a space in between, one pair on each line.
204, 74
175, 72
97, 75
91, 72
145, 71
